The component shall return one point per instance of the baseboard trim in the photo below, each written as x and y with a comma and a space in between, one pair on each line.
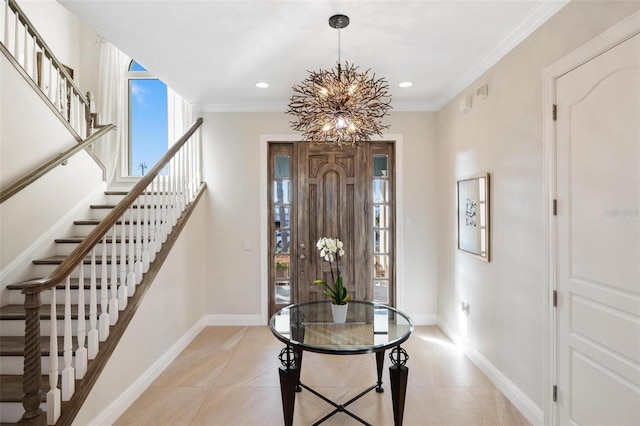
513, 393
113, 412
424, 319
244, 320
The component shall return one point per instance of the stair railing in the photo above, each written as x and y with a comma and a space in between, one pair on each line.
136, 228
60, 159
29, 52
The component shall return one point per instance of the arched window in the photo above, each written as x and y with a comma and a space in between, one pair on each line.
148, 134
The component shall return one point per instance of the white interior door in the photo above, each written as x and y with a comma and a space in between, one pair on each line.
598, 245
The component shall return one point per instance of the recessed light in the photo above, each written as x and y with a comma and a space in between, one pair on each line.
262, 84
405, 84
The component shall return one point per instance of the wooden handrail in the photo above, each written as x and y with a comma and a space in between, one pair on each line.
77, 255
22, 183
48, 52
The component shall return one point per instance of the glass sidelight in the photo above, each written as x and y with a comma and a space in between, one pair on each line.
281, 243
381, 228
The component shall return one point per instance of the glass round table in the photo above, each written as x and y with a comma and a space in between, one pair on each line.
369, 328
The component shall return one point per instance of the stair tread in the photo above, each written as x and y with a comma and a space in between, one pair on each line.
16, 312
97, 221
14, 345
74, 284
112, 206
59, 258
11, 388
79, 239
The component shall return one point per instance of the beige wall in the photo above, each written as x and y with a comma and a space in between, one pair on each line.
502, 135
232, 163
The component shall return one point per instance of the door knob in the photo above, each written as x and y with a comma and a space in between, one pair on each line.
302, 256
302, 246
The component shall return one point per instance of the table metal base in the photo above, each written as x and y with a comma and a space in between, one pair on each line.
291, 358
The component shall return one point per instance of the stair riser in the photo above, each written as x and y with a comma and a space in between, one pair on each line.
15, 364
102, 213
16, 328
84, 230
65, 249
46, 270
11, 412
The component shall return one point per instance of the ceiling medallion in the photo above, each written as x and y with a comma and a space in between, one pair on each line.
340, 106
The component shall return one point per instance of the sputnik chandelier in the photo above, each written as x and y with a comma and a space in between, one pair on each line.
340, 106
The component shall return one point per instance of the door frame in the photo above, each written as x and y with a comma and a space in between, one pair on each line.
619, 33
397, 140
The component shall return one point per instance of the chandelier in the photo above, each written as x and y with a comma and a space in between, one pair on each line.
342, 105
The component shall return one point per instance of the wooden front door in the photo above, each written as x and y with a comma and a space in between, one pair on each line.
317, 191
331, 203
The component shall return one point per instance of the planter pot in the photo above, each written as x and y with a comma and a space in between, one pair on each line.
339, 313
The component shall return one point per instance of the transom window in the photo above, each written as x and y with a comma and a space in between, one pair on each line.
148, 130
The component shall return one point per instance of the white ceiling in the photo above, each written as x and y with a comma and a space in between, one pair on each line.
213, 52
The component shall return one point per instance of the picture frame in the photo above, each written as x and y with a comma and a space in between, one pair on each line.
473, 216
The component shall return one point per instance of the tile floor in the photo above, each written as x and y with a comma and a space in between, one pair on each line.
229, 376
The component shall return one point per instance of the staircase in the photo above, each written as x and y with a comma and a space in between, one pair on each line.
97, 288
12, 316
87, 292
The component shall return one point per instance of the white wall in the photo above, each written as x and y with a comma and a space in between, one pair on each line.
168, 318
502, 134
26, 218
58, 27
232, 164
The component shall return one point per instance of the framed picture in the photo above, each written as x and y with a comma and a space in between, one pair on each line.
473, 216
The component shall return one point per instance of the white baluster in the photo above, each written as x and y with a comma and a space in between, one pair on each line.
172, 196
199, 157
68, 373
16, 43
81, 352
25, 59
34, 60
113, 302
103, 320
194, 167
179, 183
138, 264
82, 117
123, 296
53, 396
93, 337
145, 231
5, 22
184, 184
189, 182
131, 277
50, 93
152, 220
176, 198
73, 110
164, 214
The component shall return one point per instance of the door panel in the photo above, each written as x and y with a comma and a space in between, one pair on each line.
331, 204
598, 175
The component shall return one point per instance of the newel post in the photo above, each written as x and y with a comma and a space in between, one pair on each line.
32, 378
